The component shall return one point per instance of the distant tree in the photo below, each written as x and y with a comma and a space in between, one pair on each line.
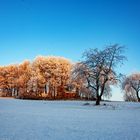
64, 70
4, 81
98, 68
131, 86
24, 75
12, 78
80, 81
35, 85
56, 72
8, 79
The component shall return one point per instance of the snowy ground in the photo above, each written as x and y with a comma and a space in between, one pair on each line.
68, 120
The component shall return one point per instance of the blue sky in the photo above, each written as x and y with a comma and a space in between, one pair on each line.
67, 27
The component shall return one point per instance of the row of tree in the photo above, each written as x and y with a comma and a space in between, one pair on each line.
47, 75
58, 78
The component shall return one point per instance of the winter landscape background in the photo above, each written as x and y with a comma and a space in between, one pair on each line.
69, 69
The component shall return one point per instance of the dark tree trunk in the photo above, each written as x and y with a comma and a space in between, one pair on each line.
138, 96
102, 89
98, 100
99, 97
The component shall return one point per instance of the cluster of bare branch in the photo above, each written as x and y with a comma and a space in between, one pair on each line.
131, 87
98, 69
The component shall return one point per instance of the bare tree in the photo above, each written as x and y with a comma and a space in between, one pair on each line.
131, 86
80, 80
99, 68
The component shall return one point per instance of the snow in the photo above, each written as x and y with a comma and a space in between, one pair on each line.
68, 120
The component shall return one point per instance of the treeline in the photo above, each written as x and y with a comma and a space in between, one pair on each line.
58, 78
45, 77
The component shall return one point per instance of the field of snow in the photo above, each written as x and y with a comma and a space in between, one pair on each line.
68, 120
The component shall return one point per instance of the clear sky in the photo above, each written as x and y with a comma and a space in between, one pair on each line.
67, 27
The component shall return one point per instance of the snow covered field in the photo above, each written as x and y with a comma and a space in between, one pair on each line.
68, 120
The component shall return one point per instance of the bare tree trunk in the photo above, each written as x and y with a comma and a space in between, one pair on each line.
102, 89
98, 100
98, 97
137, 92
